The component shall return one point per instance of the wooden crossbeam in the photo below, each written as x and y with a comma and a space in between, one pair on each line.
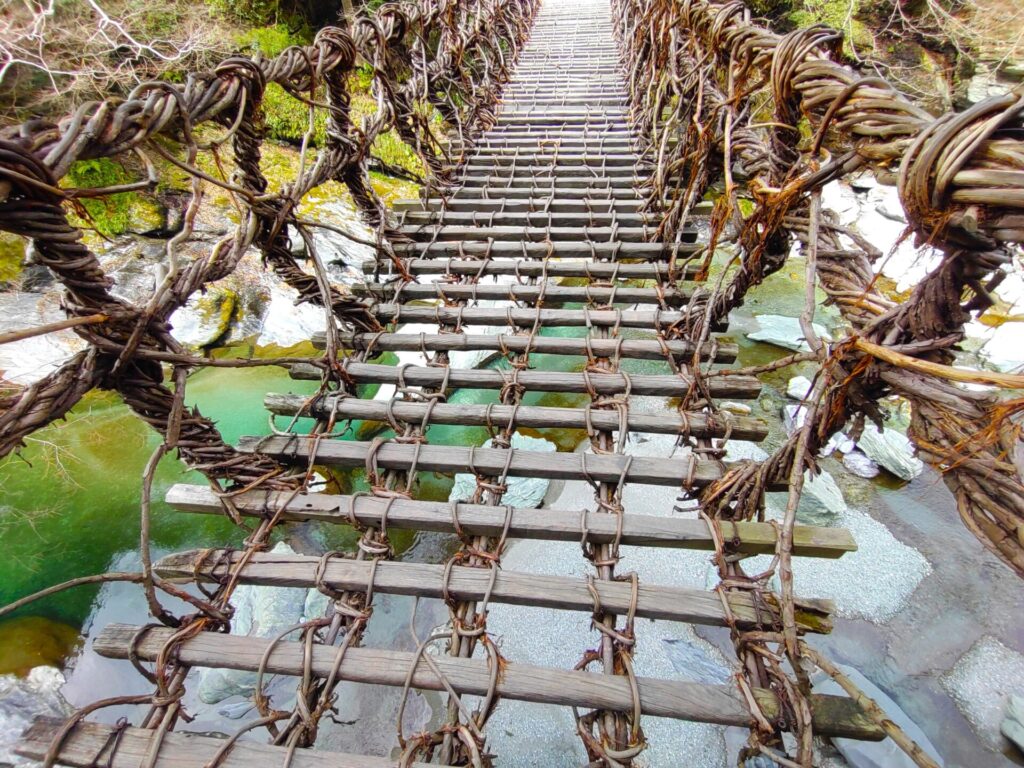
89, 745
528, 317
548, 294
737, 387
609, 468
639, 349
559, 250
464, 583
593, 270
694, 424
537, 524
722, 704
455, 232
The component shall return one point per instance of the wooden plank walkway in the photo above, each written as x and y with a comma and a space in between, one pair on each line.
542, 235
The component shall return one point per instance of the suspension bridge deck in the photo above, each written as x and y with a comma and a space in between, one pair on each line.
543, 236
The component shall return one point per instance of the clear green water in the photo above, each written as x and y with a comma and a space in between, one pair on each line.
69, 503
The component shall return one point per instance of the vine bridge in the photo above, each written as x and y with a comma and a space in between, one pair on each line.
567, 148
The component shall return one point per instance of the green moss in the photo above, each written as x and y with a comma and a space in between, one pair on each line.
117, 213
838, 14
273, 39
12, 256
287, 118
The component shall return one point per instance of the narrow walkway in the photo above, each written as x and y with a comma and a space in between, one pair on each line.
541, 247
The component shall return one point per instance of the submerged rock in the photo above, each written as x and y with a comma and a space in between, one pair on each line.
875, 754
785, 332
523, 492
259, 612
982, 683
22, 700
860, 465
891, 449
798, 387
1012, 726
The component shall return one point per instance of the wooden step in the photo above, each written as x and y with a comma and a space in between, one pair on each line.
534, 524
528, 219
528, 318
685, 473
546, 293
722, 704
498, 183
465, 583
446, 232
557, 250
736, 387
597, 198
593, 270
639, 349
696, 424
529, 167
514, 205
89, 745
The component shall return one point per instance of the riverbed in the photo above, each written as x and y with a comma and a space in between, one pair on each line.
924, 611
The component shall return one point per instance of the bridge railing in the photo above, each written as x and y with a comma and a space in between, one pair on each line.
719, 99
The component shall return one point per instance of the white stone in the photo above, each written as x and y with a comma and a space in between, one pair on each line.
891, 449
22, 699
523, 492
785, 332
821, 500
876, 754
259, 612
981, 684
798, 388
860, 465
793, 417
1012, 726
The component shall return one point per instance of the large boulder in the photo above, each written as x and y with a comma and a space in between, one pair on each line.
875, 754
523, 492
22, 700
891, 449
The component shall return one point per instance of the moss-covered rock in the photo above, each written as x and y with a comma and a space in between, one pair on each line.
117, 213
12, 256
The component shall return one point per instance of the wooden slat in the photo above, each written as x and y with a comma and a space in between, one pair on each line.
535, 219
737, 387
547, 293
599, 198
89, 745
607, 468
455, 232
482, 206
528, 317
537, 524
722, 704
695, 424
559, 250
640, 349
593, 270
472, 584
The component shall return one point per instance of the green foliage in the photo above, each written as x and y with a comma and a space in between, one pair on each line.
12, 256
838, 14
117, 213
257, 12
287, 118
272, 40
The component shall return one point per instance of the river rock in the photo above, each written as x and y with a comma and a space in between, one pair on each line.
891, 209
798, 387
1012, 726
694, 662
207, 318
523, 492
891, 449
22, 699
259, 612
860, 465
785, 332
821, 501
875, 754
982, 683
793, 417
863, 182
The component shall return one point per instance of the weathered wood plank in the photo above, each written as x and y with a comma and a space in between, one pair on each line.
609, 468
639, 349
464, 583
547, 294
537, 524
737, 387
528, 317
88, 745
696, 424
721, 704
526, 234
593, 270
